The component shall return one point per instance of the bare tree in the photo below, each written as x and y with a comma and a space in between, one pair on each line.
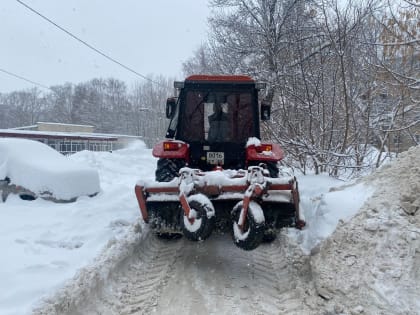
397, 63
312, 55
148, 108
25, 107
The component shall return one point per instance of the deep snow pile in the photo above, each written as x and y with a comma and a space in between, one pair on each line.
371, 265
44, 244
325, 203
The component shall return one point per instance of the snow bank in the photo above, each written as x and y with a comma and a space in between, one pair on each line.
91, 279
325, 202
46, 244
370, 265
42, 170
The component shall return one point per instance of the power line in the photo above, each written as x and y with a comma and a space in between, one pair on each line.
87, 44
25, 79
33, 82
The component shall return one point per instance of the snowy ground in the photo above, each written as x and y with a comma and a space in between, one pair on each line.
45, 243
52, 251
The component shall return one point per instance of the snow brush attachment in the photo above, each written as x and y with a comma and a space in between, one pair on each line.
251, 204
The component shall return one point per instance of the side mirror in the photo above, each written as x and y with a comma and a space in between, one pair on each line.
170, 107
265, 111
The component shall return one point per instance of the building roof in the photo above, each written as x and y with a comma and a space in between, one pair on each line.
13, 133
61, 124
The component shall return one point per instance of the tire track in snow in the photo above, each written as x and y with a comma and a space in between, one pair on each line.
135, 288
210, 277
216, 277
277, 279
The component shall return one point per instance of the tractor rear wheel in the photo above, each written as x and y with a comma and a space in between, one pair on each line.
167, 169
252, 233
202, 220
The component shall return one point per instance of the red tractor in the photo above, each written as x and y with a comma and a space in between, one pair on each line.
213, 171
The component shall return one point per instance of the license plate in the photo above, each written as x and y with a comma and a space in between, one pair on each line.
216, 158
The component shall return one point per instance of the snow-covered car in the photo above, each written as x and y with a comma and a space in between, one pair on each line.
32, 169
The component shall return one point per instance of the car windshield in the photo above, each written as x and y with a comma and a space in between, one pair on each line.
217, 116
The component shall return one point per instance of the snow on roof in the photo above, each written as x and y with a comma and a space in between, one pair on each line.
39, 168
24, 127
61, 124
56, 134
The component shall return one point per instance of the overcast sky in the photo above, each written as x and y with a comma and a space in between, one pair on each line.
149, 36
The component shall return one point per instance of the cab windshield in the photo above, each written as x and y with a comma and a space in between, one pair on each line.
217, 116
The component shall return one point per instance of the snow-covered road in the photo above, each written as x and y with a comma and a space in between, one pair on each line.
354, 257
183, 277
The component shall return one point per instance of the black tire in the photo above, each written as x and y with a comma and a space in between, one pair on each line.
168, 236
254, 231
269, 235
167, 169
202, 226
272, 169
3, 190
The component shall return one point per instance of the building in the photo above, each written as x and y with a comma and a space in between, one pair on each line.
68, 138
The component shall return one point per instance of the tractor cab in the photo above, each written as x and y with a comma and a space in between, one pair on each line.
215, 116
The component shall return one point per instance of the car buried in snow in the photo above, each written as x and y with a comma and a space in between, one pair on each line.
31, 170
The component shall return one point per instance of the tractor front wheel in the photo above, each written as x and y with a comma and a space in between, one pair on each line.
273, 169
250, 235
167, 169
